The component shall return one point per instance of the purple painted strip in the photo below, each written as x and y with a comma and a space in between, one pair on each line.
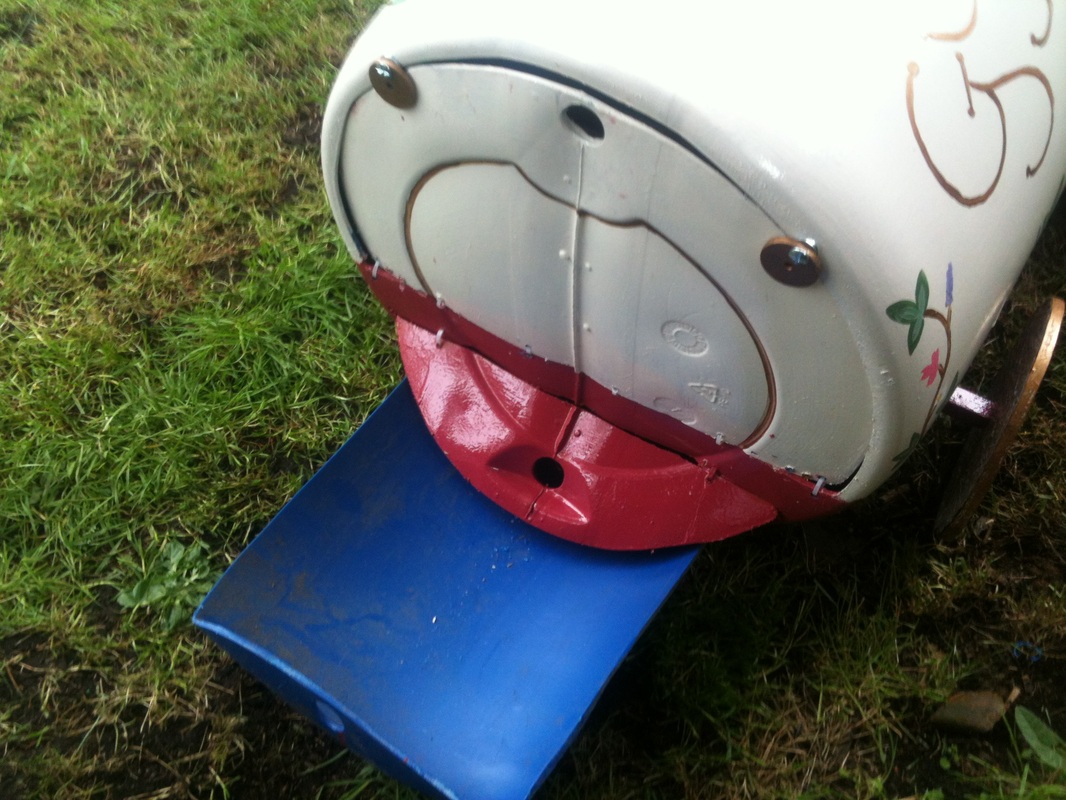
972, 405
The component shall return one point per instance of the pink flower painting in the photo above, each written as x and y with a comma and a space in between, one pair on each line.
932, 369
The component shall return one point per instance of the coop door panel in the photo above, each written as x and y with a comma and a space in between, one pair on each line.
494, 249
656, 330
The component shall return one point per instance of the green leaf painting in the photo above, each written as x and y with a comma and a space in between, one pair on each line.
921, 291
912, 312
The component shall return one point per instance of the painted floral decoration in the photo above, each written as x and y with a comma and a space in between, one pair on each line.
913, 314
930, 371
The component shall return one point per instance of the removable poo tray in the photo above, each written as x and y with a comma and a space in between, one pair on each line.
450, 643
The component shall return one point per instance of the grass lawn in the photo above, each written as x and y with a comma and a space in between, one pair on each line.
184, 341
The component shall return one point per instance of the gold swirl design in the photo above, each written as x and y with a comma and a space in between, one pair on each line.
991, 90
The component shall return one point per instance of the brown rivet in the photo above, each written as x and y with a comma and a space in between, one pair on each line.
393, 83
790, 261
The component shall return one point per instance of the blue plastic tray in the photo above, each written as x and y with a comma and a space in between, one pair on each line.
445, 640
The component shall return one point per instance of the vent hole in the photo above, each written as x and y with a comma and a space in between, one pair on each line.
548, 473
584, 122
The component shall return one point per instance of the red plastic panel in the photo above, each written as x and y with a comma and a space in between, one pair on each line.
561, 468
508, 404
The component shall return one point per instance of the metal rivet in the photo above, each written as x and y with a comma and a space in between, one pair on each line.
791, 261
393, 83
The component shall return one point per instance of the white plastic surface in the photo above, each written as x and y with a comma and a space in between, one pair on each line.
604, 254
498, 251
922, 140
656, 330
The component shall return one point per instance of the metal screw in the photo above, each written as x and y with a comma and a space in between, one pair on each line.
799, 257
393, 83
791, 261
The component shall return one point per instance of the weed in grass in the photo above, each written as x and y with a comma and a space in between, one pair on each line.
174, 582
1047, 745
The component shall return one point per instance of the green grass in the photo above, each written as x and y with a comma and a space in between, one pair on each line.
184, 341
